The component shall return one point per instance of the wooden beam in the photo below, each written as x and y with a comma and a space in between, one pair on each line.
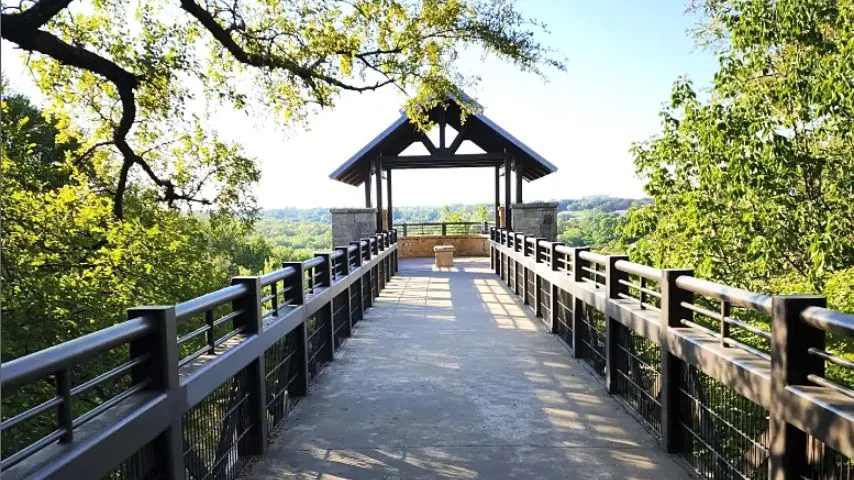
390, 209
368, 181
497, 194
428, 144
458, 140
507, 209
461, 158
442, 124
378, 168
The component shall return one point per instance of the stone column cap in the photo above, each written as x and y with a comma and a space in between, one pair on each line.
353, 210
535, 205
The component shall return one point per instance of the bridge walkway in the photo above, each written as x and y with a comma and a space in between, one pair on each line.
450, 376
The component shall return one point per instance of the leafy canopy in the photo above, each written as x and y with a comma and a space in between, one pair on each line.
753, 183
138, 77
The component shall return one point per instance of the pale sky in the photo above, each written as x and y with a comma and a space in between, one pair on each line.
623, 57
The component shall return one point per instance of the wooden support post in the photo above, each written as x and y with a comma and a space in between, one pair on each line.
390, 215
520, 172
508, 222
577, 305
378, 168
368, 180
251, 321
672, 312
161, 371
296, 296
497, 196
613, 329
791, 364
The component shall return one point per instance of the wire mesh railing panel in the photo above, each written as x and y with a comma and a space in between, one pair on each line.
282, 365
725, 434
340, 318
145, 464
825, 463
366, 291
214, 432
374, 282
563, 316
318, 341
355, 310
520, 279
545, 299
591, 331
637, 364
530, 288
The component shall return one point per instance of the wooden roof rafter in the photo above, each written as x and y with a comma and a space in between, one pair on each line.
493, 140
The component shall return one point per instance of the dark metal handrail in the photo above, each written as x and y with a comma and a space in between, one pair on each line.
443, 228
661, 304
155, 401
37, 365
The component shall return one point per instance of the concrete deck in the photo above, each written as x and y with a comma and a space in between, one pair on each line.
449, 376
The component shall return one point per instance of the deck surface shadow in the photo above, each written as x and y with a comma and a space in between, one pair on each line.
450, 376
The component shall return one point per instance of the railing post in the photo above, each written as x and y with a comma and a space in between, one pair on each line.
250, 320
672, 312
325, 279
444, 229
325, 273
345, 270
162, 373
613, 329
369, 249
555, 293
345, 256
360, 284
523, 289
296, 296
577, 305
791, 364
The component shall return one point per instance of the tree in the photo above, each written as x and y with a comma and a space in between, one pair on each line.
752, 186
596, 229
128, 72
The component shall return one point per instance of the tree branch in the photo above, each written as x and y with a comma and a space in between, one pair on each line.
308, 75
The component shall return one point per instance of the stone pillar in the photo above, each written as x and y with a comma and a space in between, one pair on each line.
352, 224
537, 219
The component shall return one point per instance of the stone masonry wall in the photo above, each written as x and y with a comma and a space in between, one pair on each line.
537, 218
352, 224
464, 245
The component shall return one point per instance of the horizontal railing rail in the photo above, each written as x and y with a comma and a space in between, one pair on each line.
734, 380
237, 358
443, 228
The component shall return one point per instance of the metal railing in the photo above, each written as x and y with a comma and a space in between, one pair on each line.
737, 382
443, 228
191, 390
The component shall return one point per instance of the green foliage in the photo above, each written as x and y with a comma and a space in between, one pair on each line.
132, 74
753, 183
596, 229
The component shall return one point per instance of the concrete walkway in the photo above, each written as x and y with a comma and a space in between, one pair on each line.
449, 376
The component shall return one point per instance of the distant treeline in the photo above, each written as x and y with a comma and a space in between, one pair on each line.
421, 214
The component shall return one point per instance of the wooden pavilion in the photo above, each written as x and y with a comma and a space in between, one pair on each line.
501, 151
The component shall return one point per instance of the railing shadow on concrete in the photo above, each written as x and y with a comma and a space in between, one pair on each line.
731, 394
194, 389
482, 385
